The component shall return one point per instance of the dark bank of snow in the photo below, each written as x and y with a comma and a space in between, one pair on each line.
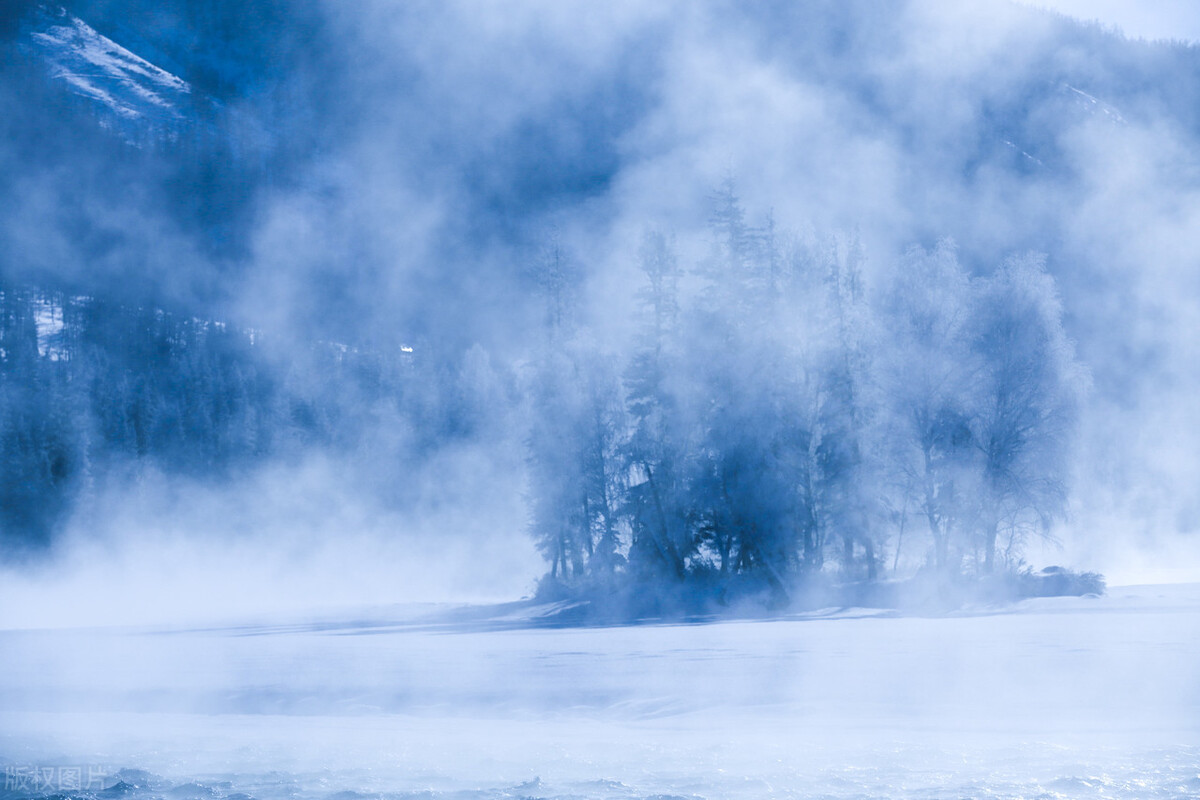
921, 596
625, 600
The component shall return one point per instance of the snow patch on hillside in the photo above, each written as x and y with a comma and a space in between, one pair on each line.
1093, 105
49, 322
96, 67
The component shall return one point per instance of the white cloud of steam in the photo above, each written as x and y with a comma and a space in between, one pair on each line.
1123, 254
439, 105
290, 540
878, 138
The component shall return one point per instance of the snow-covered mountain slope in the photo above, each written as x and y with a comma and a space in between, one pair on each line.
131, 94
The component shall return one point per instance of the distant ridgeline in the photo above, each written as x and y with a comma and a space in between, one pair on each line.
93, 392
779, 423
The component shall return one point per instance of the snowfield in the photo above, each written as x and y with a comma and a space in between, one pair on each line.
98, 68
1063, 697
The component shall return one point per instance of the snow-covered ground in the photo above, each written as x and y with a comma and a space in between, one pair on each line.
1064, 697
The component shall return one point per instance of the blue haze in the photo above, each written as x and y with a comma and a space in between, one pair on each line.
349, 213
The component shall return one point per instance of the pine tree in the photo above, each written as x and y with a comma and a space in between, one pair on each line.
656, 452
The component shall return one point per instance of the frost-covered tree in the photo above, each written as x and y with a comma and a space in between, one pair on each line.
602, 428
1027, 403
656, 453
778, 418
44, 434
555, 273
557, 485
850, 410
930, 374
577, 436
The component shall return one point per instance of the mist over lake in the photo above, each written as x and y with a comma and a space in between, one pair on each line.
553, 399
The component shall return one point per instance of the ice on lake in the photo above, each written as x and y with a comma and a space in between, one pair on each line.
1062, 697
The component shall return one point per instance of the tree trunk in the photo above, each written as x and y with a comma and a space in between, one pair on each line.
989, 553
900, 537
585, 528
722, 549
667, 546
939, 539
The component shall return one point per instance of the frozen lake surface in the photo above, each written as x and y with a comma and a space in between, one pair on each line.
1062, 697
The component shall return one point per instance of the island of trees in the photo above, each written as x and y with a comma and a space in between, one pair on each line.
781, 419
779, 425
